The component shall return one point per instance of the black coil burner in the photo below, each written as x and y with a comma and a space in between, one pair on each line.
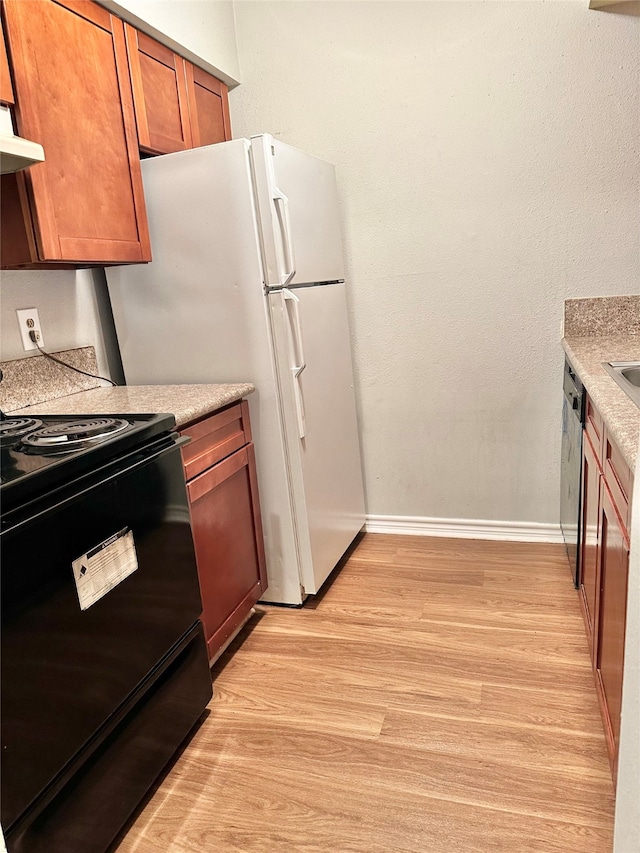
12, 429
72, 435
41, 452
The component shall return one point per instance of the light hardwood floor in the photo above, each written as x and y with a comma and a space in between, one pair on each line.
437, 697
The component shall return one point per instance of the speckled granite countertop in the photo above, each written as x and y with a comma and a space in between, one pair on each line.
36, 379
187, 402
622, 416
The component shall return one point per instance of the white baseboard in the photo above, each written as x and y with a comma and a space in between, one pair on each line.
465, 528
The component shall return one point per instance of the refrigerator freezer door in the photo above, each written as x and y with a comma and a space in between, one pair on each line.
298, 214
320, 424
197, 314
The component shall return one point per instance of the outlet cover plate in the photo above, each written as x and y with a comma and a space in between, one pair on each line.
28, 321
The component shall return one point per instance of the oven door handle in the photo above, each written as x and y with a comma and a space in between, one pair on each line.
113, 469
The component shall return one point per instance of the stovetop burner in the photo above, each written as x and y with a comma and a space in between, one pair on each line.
72, 435
11, 429
39, 454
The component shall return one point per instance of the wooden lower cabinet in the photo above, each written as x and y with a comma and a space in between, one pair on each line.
591, 475
606, 496
225, 518
612, 611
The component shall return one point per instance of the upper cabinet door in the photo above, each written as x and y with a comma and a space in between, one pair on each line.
208, 107
159, 94
73, 95
6, 89
177, 105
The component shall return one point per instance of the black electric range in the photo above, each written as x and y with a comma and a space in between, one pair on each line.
104, 662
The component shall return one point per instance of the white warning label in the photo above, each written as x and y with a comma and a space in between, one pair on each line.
104, 567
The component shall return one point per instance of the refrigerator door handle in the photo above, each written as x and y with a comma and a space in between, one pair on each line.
281, 203
299, 359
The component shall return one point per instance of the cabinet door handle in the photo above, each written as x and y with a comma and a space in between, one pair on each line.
299, 358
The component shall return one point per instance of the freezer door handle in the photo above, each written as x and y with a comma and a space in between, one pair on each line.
281, 203
298, 355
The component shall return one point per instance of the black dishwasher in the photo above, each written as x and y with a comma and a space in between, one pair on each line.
571, 467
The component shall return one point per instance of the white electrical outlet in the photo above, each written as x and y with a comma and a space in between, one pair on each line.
28, 321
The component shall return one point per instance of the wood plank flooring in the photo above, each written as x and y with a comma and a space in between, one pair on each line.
436, 697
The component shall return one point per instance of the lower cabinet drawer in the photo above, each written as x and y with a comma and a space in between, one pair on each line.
215, 437
619, 479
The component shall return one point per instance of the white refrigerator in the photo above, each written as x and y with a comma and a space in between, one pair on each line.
247, 284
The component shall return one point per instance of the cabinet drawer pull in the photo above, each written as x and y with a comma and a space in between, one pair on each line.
216, 437
211, 478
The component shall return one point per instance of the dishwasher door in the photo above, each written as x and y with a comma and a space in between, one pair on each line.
571, 468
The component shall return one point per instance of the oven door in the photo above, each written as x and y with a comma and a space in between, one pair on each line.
74, 650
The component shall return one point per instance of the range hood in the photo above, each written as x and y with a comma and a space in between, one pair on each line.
16, 153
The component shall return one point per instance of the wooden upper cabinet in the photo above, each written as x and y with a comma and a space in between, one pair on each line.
208, 107
159, 94
6, 89
84, 205
177, 104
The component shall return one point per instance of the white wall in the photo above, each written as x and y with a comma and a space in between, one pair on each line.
487, 159
69, 307
201, 30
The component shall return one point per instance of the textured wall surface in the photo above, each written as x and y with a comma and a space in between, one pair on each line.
69, 308
487, 160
